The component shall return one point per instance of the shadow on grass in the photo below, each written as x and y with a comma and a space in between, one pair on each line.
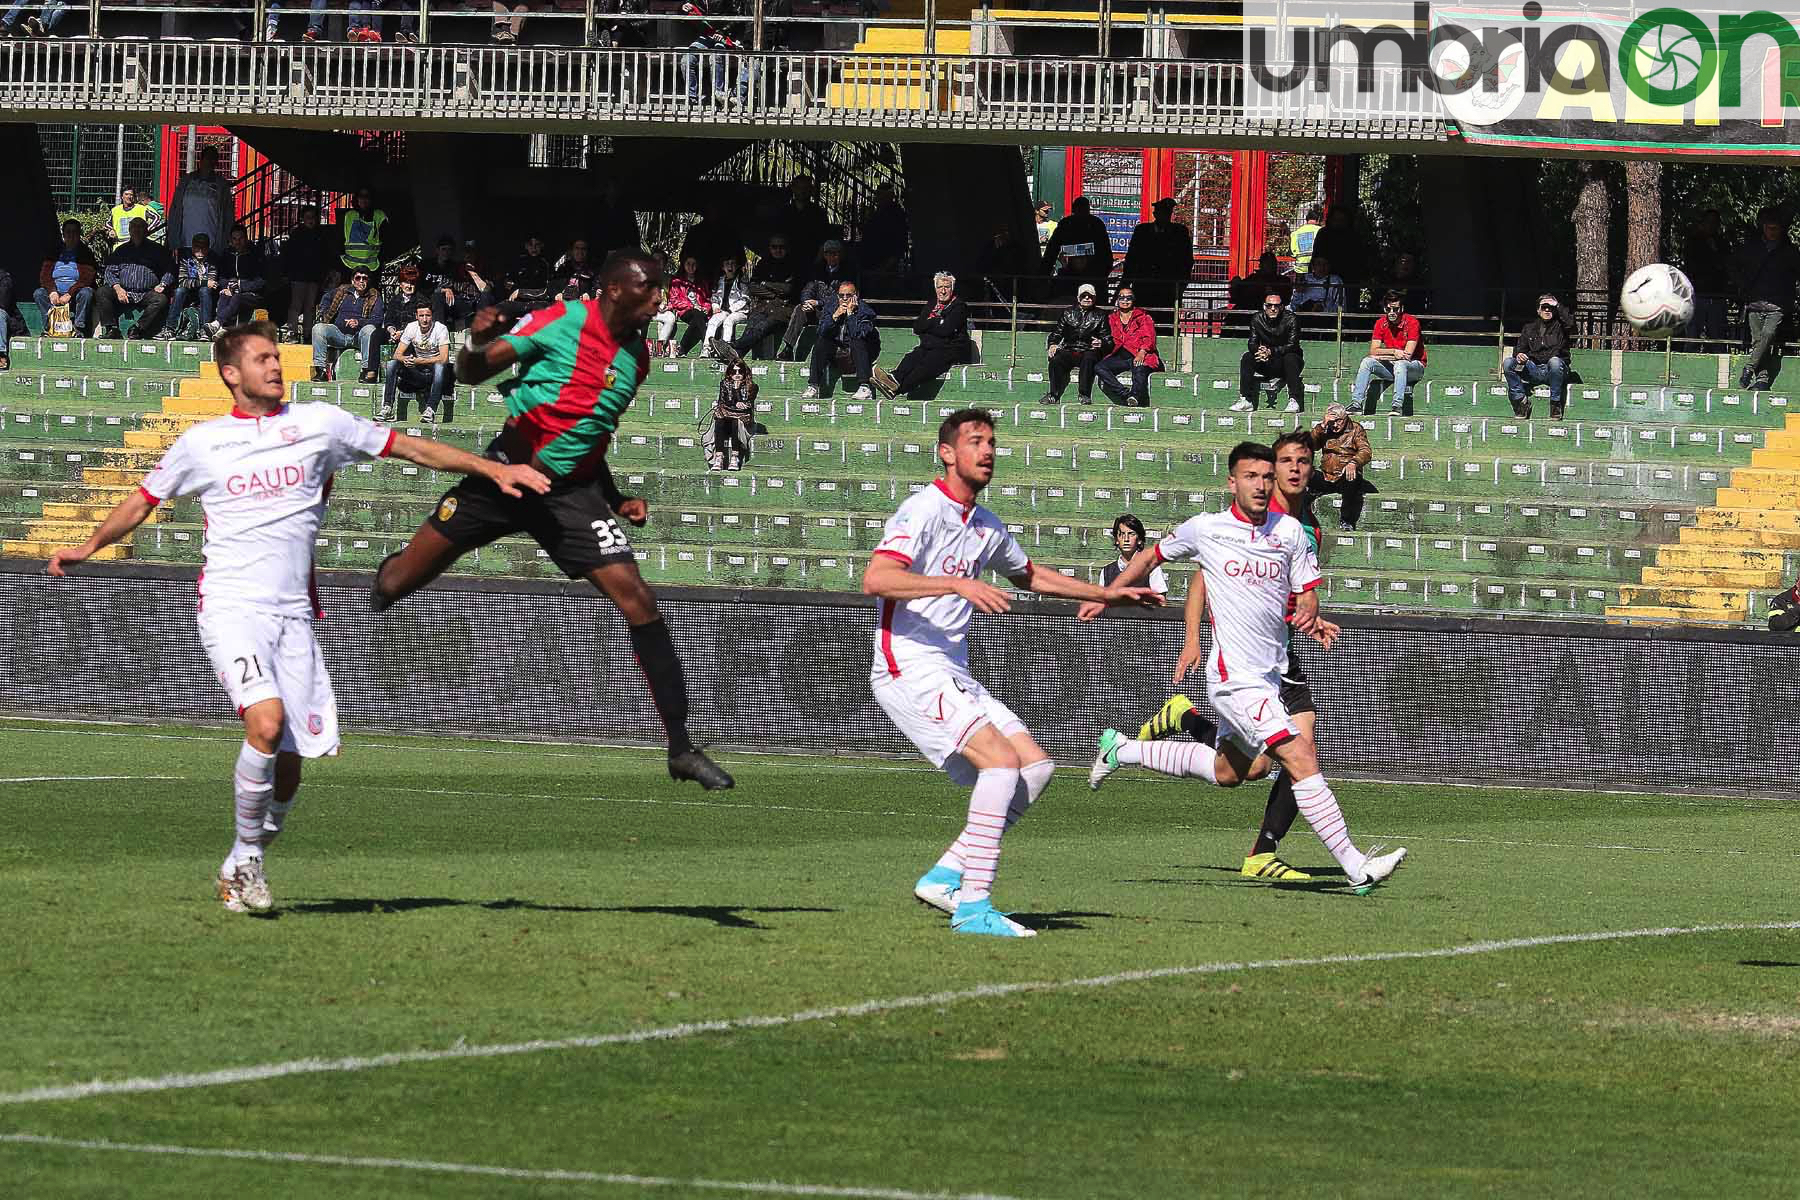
726, 916
1765, 962
1324, 879
1062, 920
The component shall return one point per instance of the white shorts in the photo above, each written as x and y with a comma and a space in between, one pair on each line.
939, 709
1253, 717
261, 656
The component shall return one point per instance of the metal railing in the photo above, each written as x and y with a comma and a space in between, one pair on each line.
380, 86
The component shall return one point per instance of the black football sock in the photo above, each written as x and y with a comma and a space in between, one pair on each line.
1199, 728
655, 651
1278, 816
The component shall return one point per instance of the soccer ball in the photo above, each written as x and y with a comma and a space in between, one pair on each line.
1657, 300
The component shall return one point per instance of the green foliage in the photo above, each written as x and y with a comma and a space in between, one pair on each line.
1393, 208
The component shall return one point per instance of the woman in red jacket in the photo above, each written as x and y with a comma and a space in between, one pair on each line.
1134, 341
689, 303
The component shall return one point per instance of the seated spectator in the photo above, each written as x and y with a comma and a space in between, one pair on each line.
138, 279
1003, 264
885, 232
771, 296
1274, 353
527, 287
828, 272
1541, 356
420, 366
400, 302
687, 303
241, 281
350, 314
67, 282
731, 304
1396, 356
1133, 334
305, 260
576, 274
1344, 452
713, 40
943, 333
733, 420
315, 23
196, 283
1128, 538
1319, 290
1082, 337
456, 288
1344, 244
1247, 292
848, 341
509, 23
10, 323
16, 24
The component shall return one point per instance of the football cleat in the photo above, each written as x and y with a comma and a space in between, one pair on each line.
980, 916
1107, 761
937, 887
694, 765
1376, 868
1167, 721
242, 887
1272, 870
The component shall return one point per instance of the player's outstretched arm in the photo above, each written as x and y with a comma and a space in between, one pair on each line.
1046, 582
887, 577
484, 355
511, 479
125, 517
1135, 572
1308, 620
1193, 615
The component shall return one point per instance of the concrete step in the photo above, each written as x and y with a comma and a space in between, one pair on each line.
36, 549
123, 478
1776, 459
1740, 539
1734, 497
95, 513
205, 389
1720, 558
882, 96
1733, 600
196, 406
149, 439
1782, 477
1749, 518
1692, 577
61, 533
1658, 612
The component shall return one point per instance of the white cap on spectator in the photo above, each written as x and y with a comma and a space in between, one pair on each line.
1086, 289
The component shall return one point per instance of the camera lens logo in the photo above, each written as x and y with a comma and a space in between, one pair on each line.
1668, 57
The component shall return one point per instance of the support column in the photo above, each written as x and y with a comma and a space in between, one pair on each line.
1249, 208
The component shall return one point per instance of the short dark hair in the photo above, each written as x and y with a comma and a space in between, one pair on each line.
1128, 521
242, 228
1254, 451
1297, 437
228, 347
1391, 296
69, 222
620, 263
963, 416
424, 304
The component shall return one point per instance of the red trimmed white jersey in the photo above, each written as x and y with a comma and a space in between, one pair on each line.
1251, 568
262, 483
935, 535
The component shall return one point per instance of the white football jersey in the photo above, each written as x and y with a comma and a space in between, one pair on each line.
1251, 568
262, 483
935, 535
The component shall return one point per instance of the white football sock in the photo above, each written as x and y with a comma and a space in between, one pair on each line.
1320, 808
253, 785
274, 821
979, 844
1185, 760
1033, 779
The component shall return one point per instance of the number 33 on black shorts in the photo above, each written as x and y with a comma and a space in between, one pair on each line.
574, 524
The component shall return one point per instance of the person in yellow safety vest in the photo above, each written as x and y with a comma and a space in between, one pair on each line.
1300, 242
130, 208
360, 228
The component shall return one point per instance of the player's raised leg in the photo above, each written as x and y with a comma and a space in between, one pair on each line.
1300, 759
977, 847
428, 555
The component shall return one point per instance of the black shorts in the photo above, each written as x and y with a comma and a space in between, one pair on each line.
1296, 689
575, 525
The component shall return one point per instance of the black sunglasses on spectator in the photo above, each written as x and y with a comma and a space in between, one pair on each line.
1271, 304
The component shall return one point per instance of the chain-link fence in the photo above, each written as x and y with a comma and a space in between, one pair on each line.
88, 164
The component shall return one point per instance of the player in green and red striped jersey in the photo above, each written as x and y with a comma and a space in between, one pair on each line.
581, 363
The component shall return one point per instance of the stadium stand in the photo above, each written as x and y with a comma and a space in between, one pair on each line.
1652, 501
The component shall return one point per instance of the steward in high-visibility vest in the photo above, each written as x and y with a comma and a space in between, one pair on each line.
360, 227
1300, 242
129, 209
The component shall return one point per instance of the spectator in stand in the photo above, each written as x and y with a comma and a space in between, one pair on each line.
1396, 356
848, 341
360, 229
1410, 283
11, 324
943, 333
16, 24
1247, 291
576, 275
130, 208
1080, 249
828, 272
1160, 259
713, 239
305, 260
885, 232
196, 283
202, 200
1133, 335
1004, 263
1541, 356
420, 366
715, 41
457, 289
242, 277
528, 284
1273, 353
138, 279
1320, 290
1344, 453
509, 23
1344, 243
1082, 337
400, 302
730, 305
67, 280
315, 21
1045, 226
688, 302
803, 221
1128, 538
733, 419
1300, 241
772, 294
1707, 262
1766, 271
350, 315
615, 225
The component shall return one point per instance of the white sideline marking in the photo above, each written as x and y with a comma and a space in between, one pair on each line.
81, 778
756, 1187
669, 1033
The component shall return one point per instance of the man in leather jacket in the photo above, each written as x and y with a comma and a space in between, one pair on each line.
1274, 353
1080, 340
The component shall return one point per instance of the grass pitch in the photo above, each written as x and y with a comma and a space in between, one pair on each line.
443, 896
